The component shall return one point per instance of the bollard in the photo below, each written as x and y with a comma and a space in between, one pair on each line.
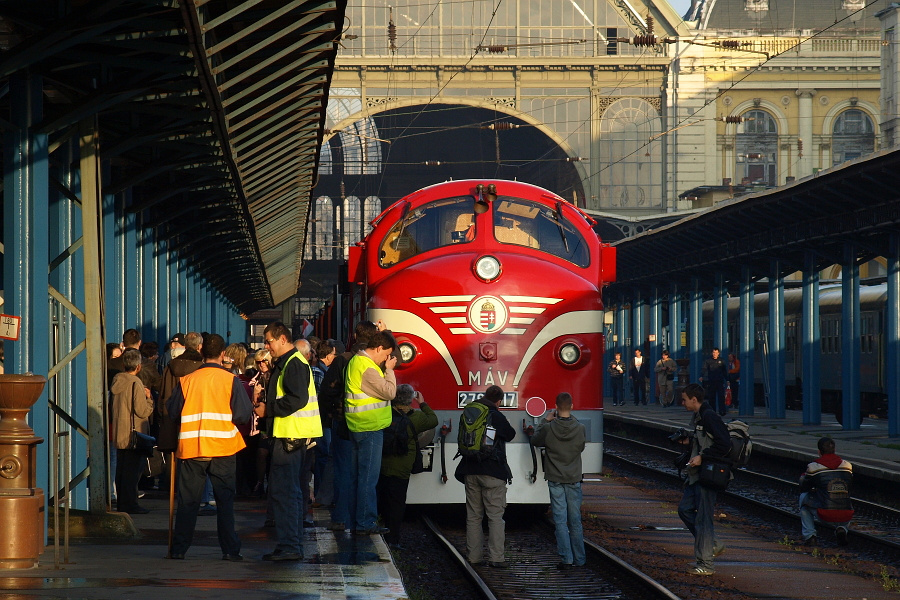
21, 501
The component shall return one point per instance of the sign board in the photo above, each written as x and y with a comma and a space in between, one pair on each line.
651, 337
684, 339
9, 327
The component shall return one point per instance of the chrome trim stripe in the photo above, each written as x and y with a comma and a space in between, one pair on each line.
459, 330
512, 331
579, 321
429, 299
403, 321
447, 309
521, 320
530, 310
532, 299
449, 320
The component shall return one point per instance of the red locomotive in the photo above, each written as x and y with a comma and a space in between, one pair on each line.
490, 283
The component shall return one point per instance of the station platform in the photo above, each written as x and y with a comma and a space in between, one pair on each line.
337, 566
871, 451
647, 532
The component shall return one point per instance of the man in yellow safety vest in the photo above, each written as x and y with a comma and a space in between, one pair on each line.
291, 401
367, 407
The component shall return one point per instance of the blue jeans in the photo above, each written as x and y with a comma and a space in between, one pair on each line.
696, 512
286, 493
324, 471
344, 501
565, 502
808, 517
365, 466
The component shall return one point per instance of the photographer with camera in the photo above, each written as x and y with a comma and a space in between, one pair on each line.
665, 379
708, 438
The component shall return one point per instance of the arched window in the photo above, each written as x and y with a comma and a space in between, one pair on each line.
756, 146
372, 208
633, 178
325, 158
853, 136
352, 223
324, 228
362, 151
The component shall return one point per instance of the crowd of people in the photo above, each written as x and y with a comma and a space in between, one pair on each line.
301, 411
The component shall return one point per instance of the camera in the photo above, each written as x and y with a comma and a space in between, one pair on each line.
681, 434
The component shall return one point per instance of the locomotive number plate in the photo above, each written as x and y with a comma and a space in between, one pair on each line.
510, 399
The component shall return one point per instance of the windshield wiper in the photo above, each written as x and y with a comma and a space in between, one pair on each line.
559, 224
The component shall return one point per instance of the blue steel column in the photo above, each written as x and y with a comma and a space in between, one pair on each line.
892, 336
162, 294
150, 326
747, 342
621, 325
850, 337
637, 315
720, 315
812, 346
776, 342
655, 329
695, 330
131, 293
675, 323
113, 243
26, 247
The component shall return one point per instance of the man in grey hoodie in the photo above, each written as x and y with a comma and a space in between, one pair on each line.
563, 437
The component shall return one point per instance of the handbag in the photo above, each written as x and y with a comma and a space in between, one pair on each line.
715, 474
141, 442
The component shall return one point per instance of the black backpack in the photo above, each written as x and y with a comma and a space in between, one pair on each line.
396, 435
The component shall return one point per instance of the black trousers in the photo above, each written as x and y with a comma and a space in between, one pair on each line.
192, 475
129, 468
640, 390
392, 504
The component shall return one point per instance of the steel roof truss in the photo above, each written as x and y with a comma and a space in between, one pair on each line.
280, 118
308, 70
309, 86
268, 108
266, 42
274, 154
253, 27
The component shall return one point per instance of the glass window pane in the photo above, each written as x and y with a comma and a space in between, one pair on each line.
433, 225
537, 226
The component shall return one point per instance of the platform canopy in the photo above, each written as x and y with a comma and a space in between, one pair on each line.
210, 117
857, 201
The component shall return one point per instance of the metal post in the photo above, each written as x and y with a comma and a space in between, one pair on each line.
655, 330
675, 323
621, 323
850, 338
95, 335
150, 326
162, 295
720, 315
812, 346
695, 329
637, 314
113, 246
892, 336
777, 402
26, 245
747, 342
131, 270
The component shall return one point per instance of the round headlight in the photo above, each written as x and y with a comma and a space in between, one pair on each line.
569, 354
407, 352
487, 268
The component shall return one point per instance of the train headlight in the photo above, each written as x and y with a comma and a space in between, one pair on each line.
569, 353
407, 352
487, 268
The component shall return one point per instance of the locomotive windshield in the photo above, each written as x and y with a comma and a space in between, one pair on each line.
439, 223
538, 226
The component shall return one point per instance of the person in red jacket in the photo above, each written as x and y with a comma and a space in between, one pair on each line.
825, 489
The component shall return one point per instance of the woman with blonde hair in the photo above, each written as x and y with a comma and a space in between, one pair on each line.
264, 449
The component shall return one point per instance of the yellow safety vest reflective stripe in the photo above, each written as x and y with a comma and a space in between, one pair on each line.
206, 427
363, 412
304, 423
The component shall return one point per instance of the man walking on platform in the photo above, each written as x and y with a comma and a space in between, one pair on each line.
208, 403
710, 439
292, 402
639, 370
563, 437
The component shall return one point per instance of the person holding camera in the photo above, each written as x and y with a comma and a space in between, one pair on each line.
708, 438
665, 379
616, 372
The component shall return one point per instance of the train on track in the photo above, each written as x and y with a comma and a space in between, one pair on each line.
488, 283
873, 396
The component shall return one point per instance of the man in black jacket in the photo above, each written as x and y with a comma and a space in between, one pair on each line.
485, 482
710, 440
714, 374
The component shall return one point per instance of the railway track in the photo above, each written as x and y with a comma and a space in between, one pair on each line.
875, 526
533, 575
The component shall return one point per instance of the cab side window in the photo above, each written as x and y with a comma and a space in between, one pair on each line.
440, 223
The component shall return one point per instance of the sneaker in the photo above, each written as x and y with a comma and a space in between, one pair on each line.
282, 556
699, 570
841, 534
718, 550
811, 541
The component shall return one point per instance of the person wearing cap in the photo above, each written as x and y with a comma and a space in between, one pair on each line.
176, 346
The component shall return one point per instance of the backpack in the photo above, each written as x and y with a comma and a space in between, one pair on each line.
741, 444
476, 437
396, 435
